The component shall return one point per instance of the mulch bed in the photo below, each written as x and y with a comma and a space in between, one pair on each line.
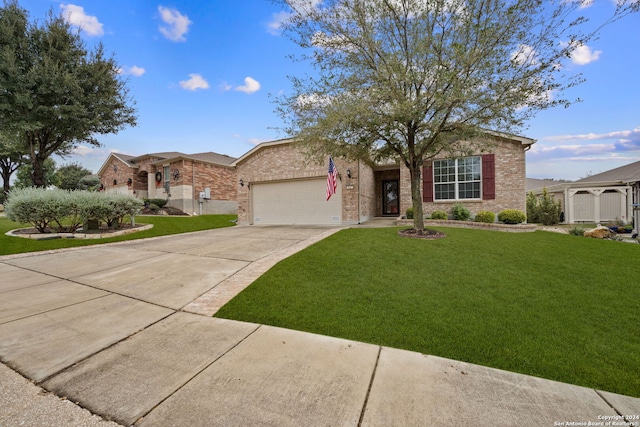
426, 234
166, 210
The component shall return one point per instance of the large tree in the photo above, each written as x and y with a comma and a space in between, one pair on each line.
69, 176
24, 175
54, 92
11, 158
414, 79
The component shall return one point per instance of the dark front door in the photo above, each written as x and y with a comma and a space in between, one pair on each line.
390, 197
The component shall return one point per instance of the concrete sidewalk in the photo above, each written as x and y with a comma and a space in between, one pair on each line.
119, 330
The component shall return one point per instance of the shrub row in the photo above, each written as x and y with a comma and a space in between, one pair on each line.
461, 213
63, 210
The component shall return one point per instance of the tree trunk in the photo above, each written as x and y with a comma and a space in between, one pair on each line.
416, 197
6, 177
37, 176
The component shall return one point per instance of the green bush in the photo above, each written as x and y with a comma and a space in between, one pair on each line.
460, 212
544, 208
158, 202
577, 231
52, 208
39, 207
409, 213
512, 216
486, 216
153, 207
439, 215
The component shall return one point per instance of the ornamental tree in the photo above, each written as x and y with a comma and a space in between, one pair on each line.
54, 92
413, 79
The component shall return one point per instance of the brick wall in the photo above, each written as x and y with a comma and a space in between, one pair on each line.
510, 182
121, 174
284, 161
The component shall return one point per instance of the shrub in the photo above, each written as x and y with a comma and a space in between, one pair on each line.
51, 208
576, 231
512, 216
439, 215
409, 213
544, 208
158, 202
37, 206
153, 207
532, 208
486, 216
460, 212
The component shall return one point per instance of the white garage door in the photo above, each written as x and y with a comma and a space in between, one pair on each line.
295, 202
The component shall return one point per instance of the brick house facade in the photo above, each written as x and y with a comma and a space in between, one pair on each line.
180, 178
492, 179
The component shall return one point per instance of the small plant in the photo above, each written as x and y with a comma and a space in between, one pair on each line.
153, 207
158, 202
512, 216
439, 215
577, 231
460, 212
486, 217
409, 213
544, 208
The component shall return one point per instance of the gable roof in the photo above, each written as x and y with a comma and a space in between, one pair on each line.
624, 174
260, 147
124, 158
208, 157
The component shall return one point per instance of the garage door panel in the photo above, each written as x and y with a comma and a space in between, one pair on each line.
295, 202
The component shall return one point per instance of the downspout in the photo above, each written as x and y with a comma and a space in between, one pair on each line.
193, 186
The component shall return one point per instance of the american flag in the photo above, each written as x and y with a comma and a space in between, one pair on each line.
332, 176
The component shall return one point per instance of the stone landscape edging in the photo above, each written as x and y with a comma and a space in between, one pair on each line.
81, 236
511, 228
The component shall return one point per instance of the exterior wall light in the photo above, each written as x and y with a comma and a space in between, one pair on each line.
348, 173
241, 183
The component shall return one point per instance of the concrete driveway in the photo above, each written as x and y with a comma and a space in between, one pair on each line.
124, 330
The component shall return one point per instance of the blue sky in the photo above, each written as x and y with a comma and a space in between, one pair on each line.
203, 74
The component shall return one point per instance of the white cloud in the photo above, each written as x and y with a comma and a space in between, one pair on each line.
134, 71
277, 19
583, 55
76, 16
525, 55
250, 86
195, 82
176, 26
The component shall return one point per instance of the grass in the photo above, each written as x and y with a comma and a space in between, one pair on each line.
545, 304
162, 225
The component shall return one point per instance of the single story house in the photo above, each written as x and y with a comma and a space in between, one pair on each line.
202, 183
609, 196
277, 184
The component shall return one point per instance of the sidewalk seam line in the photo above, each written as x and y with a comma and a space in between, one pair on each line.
366, 398
100, 351
608, 403
194, 376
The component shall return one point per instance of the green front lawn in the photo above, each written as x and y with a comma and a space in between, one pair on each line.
162, 225
555, 306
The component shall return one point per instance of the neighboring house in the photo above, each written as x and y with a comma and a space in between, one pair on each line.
278, 185
609, 196
203, 183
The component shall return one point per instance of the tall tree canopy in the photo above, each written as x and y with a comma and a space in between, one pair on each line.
54, 92
411, 79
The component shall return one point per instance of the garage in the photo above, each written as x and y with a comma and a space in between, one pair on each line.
296, 202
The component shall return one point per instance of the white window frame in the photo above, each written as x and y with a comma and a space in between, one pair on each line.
166, 172
458, 180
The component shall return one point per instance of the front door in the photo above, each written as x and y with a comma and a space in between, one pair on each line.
390, 197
